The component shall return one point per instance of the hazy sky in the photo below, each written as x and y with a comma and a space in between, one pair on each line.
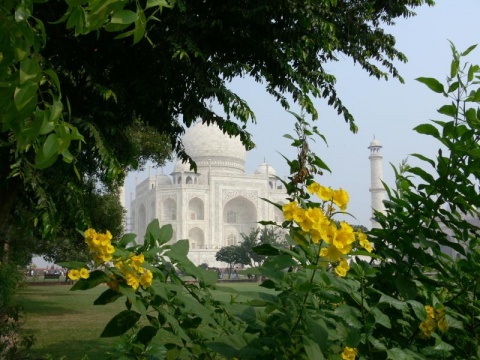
387, 110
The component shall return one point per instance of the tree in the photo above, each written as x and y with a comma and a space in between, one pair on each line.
232, 255
259, 236
120, 66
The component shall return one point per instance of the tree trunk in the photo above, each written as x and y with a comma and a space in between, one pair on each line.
9, 188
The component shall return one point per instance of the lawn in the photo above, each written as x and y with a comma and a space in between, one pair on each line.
67, 324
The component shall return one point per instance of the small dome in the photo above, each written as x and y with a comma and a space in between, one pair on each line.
182, 166
265, 168
163, 179
375, 142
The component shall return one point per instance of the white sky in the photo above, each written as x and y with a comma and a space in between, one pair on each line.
387, 110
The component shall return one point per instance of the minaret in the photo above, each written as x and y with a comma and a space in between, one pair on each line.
376, 177
121, 195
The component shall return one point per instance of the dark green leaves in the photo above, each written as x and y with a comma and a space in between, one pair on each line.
121, 323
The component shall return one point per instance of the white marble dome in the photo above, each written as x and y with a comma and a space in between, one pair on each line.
210, 147
264, 169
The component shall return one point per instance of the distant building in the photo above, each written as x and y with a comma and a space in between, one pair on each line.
377, 190
213, 206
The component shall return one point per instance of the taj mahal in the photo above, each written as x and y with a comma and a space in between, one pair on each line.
215, 205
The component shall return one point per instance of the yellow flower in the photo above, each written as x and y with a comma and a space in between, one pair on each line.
430, 311
331, 253
349, 353
342, 268
362, 239
344, 238
340, 198
325, 193
313, 188
132, 280
428, 325
289, 209
84, 273
74, 274
146, 279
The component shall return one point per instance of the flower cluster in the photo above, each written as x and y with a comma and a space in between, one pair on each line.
317, 223
75, 274
133, 272
100, 245
349, 353
131, 269
428, 325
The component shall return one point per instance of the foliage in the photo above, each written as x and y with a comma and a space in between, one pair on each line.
86, 206
431, 227
412, 295
184, 317
10, 338
105, 84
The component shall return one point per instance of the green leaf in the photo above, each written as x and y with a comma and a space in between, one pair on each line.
454, 67
124, 17
121, 323
107, 297
472, 70
140, 26
265, 249
29, 70
312, 349
449, 110
96, 278
25, 94
397, 304
128, 239
432, 83
453, 87
406, 287
381, 318
165, 234
466, 52
418, 308
160, 3
179, 249
50, 146
146, 334
349, 315
318, 330
75, 18
424, 158
42, 162
427, 129
397, 354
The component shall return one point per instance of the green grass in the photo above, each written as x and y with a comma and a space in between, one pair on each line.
67, 324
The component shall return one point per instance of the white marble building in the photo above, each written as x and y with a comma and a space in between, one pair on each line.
213, 206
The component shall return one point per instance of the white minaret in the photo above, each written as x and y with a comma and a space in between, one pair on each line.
121, 194
376, 177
